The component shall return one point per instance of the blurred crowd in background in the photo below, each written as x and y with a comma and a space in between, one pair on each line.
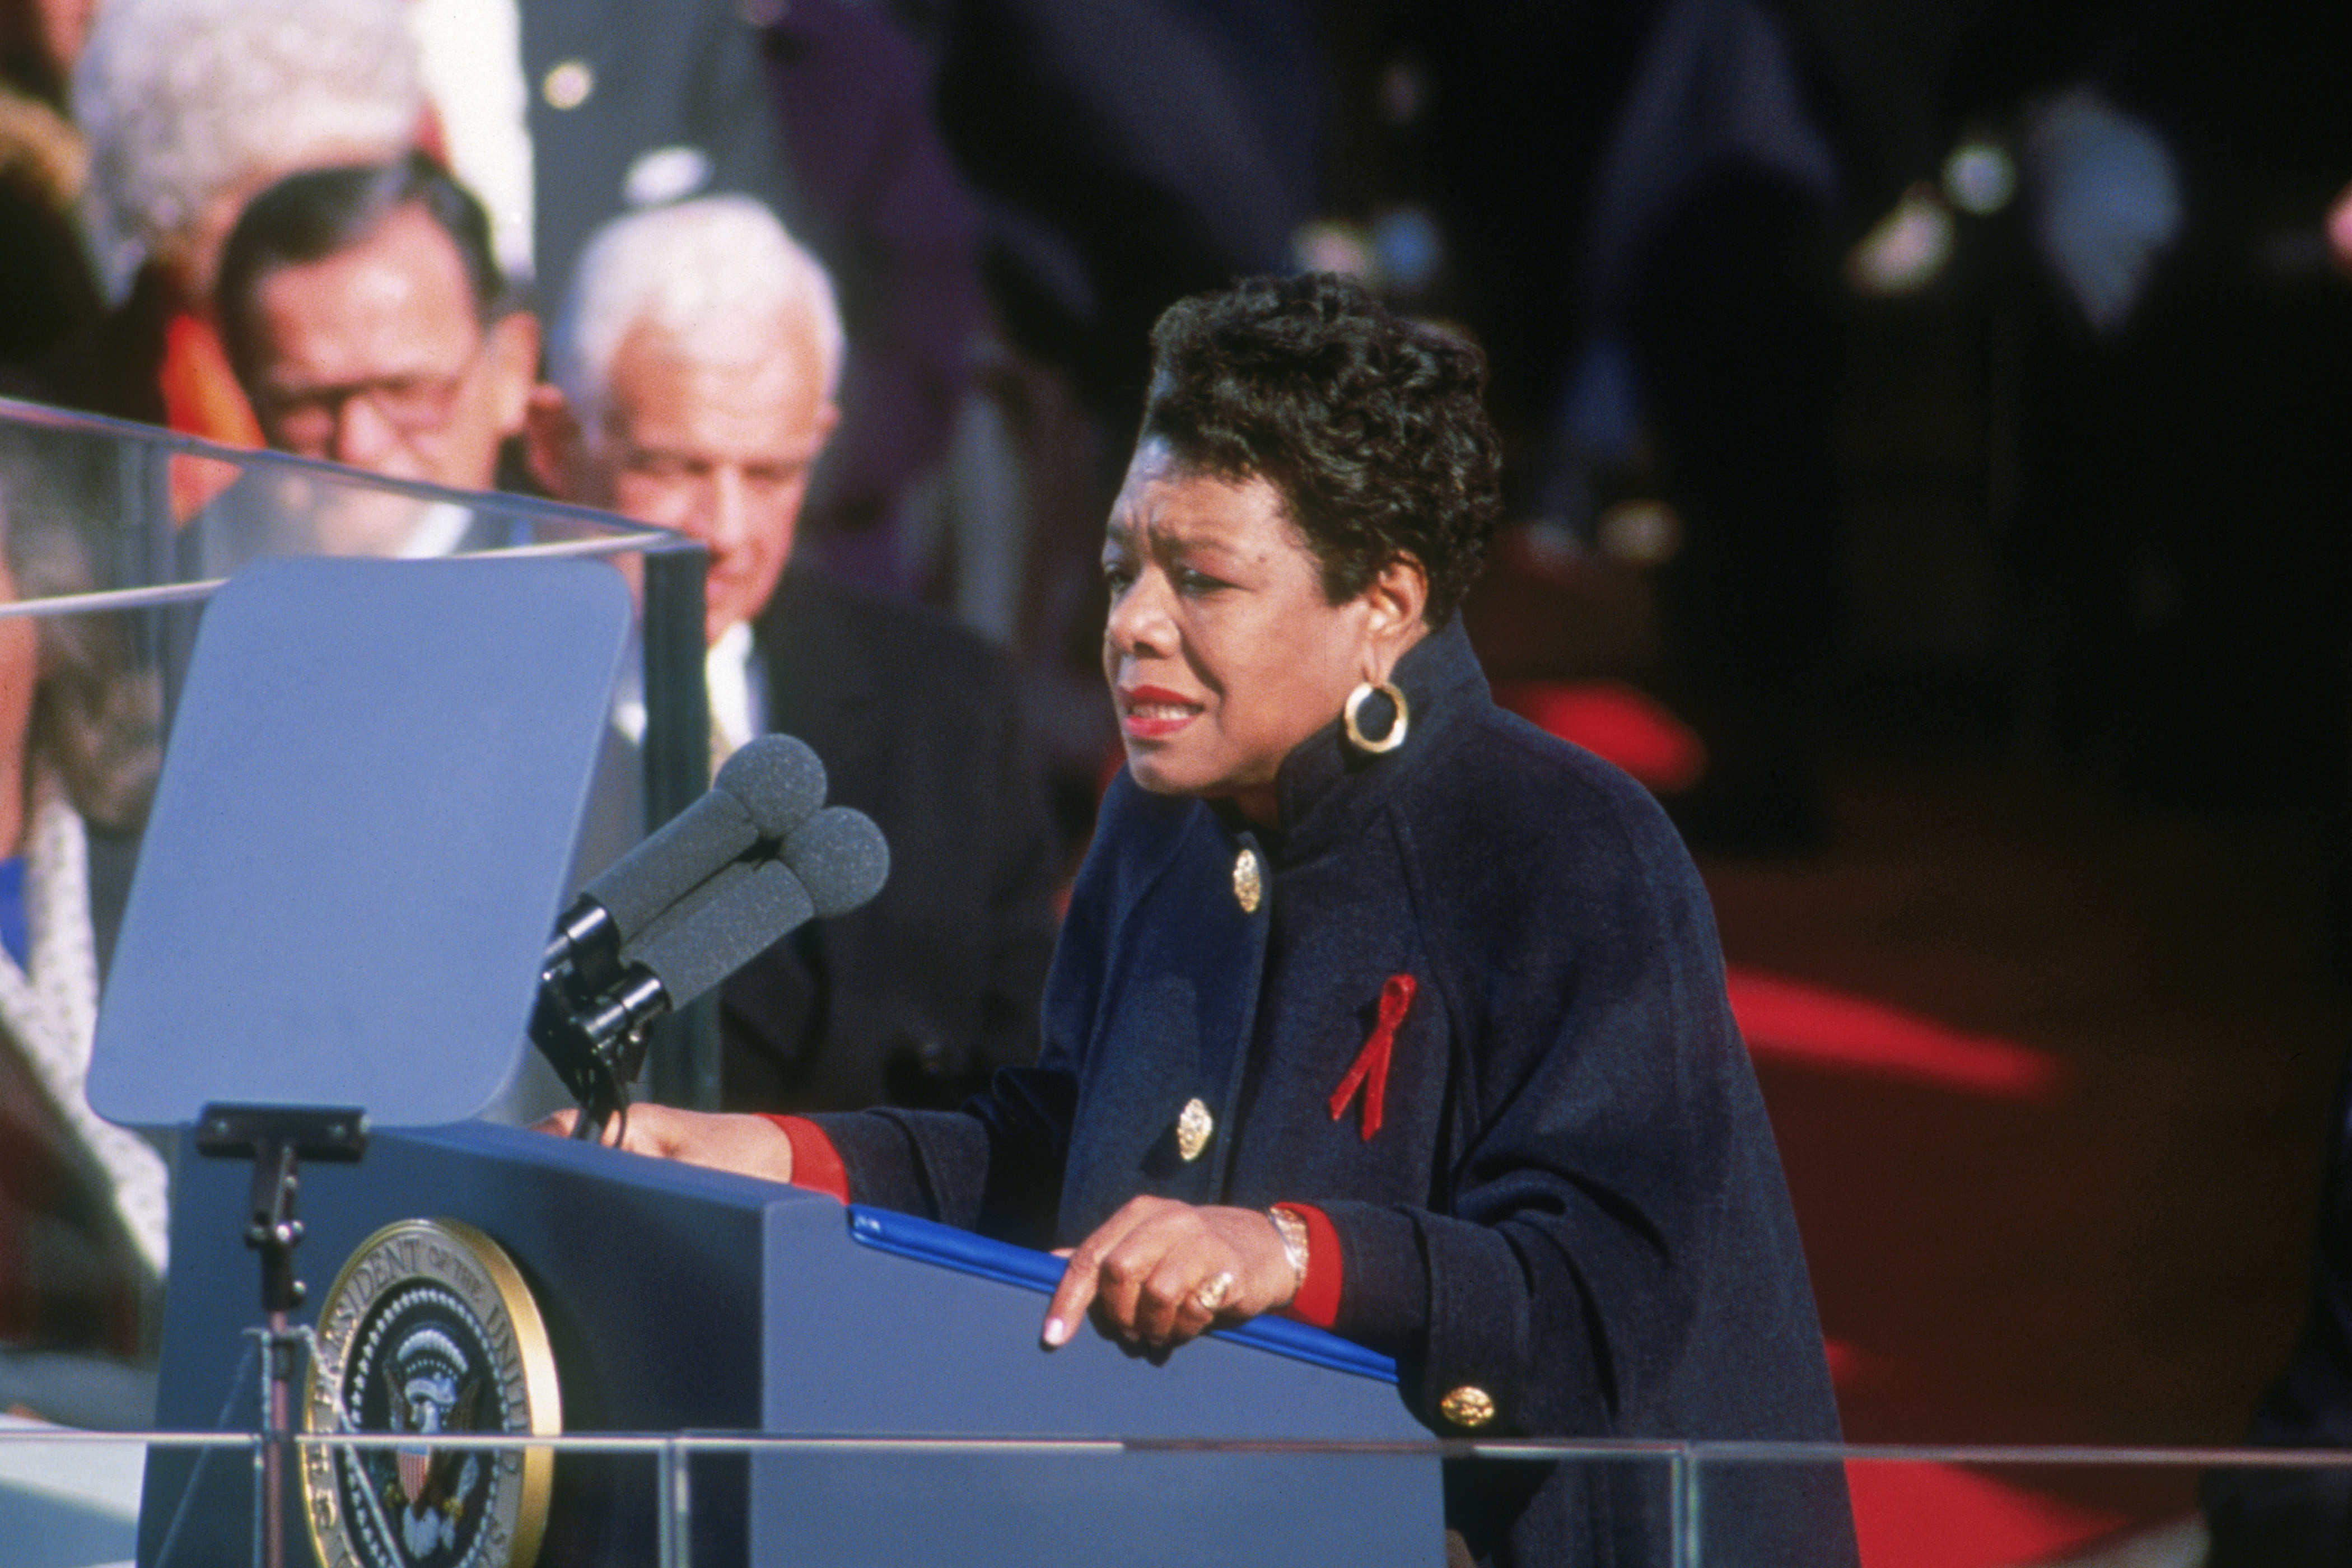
2089, 240
1966, 345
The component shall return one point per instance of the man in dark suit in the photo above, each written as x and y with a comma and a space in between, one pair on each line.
696, 362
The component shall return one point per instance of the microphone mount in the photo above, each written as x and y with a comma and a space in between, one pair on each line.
595, 1036
588, 941
754, 859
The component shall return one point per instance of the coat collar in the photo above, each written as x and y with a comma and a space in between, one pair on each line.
1326, 787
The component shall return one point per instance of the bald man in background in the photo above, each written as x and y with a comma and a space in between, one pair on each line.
696, 363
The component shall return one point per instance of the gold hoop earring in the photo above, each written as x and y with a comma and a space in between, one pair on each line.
1356, 737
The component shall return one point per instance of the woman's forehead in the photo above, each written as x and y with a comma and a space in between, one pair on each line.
1167, 503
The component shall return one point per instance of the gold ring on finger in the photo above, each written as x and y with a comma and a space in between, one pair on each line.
1213, 1290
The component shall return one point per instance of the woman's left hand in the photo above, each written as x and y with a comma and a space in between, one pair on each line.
1158, 1272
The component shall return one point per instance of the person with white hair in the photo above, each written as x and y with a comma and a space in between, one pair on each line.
191, 107
695, 361
708, 291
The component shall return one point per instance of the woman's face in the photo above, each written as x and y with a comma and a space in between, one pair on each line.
1220, 650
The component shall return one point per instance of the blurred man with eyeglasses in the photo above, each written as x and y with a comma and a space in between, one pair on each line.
367, 319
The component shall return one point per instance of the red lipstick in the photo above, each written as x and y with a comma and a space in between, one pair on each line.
1154, 713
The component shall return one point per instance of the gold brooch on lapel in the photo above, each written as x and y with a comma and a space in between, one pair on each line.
1467, 1407
1193, 1126
1249, 887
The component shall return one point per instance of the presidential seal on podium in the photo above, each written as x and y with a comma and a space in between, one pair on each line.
429, 1330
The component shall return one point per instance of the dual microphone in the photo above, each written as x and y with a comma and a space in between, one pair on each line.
757, 856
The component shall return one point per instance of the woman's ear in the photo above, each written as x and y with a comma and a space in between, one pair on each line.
1394, 601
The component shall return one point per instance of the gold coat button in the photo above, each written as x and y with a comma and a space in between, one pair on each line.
568, 84
1194, 1125
1467, 1407
1249, 888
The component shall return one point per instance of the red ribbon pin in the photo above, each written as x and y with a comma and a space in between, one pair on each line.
1371, 1068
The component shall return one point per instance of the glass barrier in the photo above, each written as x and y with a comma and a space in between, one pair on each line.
109, 517
115, 536
73, 1499
117, 532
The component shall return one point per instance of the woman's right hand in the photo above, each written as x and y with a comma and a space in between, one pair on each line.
1158, 1272
746, 1145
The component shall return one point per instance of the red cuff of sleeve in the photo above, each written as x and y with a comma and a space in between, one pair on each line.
1318, 1301
816, 1163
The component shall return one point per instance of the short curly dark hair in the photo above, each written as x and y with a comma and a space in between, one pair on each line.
1370, 424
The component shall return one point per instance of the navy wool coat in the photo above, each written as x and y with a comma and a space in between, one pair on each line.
1573, 1202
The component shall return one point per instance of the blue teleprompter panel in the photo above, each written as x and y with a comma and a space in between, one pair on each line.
361, 838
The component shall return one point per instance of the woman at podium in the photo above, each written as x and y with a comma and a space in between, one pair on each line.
1374, 1005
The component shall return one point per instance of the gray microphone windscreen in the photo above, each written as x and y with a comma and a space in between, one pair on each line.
689, 846
778, 779
841, 859
763, 792
723, 925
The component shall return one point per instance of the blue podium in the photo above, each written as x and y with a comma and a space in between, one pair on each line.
360, 842
683, 1299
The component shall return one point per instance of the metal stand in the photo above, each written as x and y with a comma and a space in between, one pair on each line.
595, 1040
277, 1138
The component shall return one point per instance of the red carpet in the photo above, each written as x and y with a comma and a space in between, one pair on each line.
1615, 722
1912, 1515
1803, 1023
